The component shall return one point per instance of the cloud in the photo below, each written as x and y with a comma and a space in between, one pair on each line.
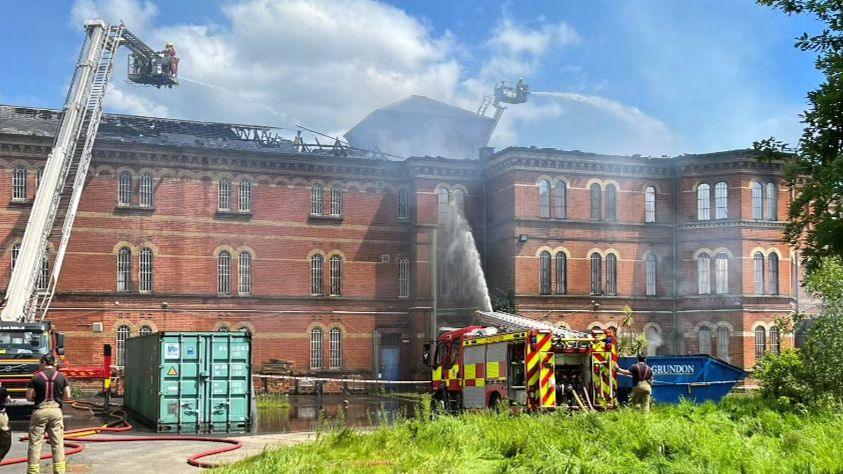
136, 13
516, 39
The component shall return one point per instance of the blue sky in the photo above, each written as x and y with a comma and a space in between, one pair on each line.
649, 77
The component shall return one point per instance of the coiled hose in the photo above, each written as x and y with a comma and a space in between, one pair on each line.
119, 423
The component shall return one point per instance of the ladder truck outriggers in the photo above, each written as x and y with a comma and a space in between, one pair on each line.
527, 363
25, 331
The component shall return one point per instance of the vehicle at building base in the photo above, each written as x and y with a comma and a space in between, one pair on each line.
698, 378
477, 367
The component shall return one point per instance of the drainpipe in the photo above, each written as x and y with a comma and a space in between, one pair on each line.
675, 205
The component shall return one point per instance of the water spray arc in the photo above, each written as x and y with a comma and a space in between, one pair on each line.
459, 268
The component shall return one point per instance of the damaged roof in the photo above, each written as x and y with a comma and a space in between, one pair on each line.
150, 130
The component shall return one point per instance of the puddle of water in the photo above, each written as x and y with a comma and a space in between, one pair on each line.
306, 412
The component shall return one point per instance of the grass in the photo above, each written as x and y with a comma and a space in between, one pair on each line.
737, 435
269, 402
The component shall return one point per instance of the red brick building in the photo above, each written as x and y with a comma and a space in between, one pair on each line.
326, 258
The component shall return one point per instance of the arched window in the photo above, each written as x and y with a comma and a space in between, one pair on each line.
758, 272
144, 330
544, 198
770, 202
611, 274
124, 269
244, 203
43, 282
224, 273
316, 264
336, 200
721, 200
654, 340
721, 267
760, 342
443, 204
147, 191
145, 270
15, 253
316, 199
544, 273
775, 340
335, 348
595, 201
403, 205
225, 194
123, 333
650, 273
650, 204
39, 175
403, 277
773, 271
704, 338
704, 273
611, 203
336, 275
316, 348
723, 338
561, 273
19, 189
596, 283
459, 201
244, 273
757, 200
124, 189
703, 202
800, 333
560, 200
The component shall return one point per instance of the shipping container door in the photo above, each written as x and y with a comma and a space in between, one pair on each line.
183, 370
228, 391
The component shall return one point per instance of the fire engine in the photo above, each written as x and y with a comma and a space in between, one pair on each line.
528, 363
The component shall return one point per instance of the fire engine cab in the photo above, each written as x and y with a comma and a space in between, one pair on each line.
527, 363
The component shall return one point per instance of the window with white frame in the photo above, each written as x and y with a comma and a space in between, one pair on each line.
721, 200
403, 205
594, 190
244, 274
43, 282
650, 274
316, 199
145, 270
459, 201
15, 253
124, 188
144, 330
773, 271
721, 268
723, 338
544, 198
244, 191
596, 274
758, 272
225, 194
316, 264
704, 340
316, 348
336, 275
757, 200
224, 273
560, 200
336, 200
544, 273
123, 333
19, 188
703, 202
611, 274
775, 340
335, 348
611, 203
443, 199
704, 273
147, 191
650, 204
770, 202
561, 273
760, 342
403, 277
124, 269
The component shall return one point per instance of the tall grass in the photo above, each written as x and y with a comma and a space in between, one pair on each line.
737, 435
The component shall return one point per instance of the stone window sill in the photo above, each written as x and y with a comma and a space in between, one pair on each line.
326, 218
134, 208
230, 214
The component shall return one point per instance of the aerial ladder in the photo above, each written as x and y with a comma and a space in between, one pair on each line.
25, 333
505, 93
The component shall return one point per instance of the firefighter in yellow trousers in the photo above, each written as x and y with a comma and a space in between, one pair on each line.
642, 383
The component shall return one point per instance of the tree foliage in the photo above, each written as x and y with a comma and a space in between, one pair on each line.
816, 163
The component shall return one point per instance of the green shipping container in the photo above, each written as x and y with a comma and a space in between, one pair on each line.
190, 382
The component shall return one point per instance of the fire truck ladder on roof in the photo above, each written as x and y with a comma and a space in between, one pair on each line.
70, 156
513, 322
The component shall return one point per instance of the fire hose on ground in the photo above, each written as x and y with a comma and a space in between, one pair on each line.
119, 424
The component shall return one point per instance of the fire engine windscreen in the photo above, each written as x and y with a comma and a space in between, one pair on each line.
23, 343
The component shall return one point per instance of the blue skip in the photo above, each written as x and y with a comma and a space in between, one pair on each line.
698, 378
